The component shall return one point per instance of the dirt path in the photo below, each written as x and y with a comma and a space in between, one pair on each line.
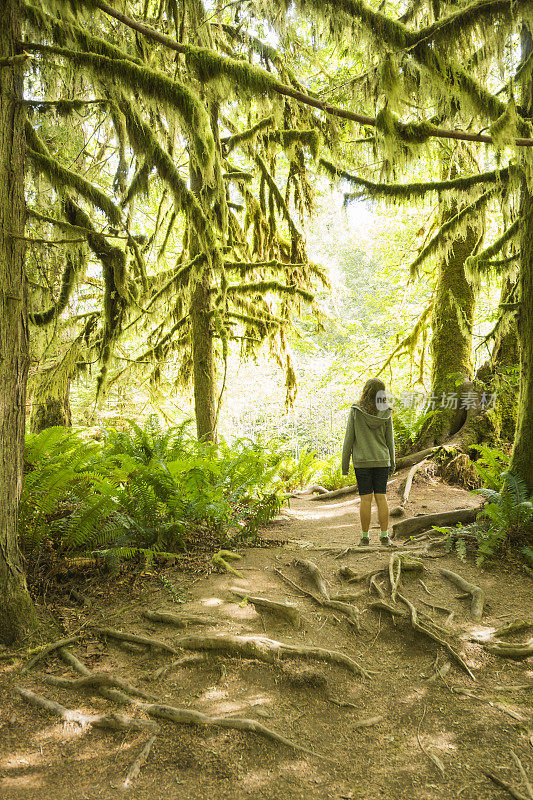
396, 734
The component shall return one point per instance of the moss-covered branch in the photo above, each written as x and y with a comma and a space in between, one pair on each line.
74, 267
145, 143
210, 65
406, 191
155, 85
451, 228
248, 135
62, 178
482, 261
262, 287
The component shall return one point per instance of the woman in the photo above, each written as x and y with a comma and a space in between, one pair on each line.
369, 441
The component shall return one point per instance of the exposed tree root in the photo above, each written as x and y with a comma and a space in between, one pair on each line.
383, 606
432, 757
180, 716
147, 641
416, 524
113, 721
442, 642
477, 594
283, 609
314, 575
508, 650
47, 649
135, 768
348, 597
344, 608
523, 775
189, 660
398, 511
518, 626
507, 786
268, 650
395, 571
221, 558
95, 681
179, 620
187, 716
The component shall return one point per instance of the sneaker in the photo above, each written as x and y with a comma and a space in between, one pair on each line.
386, 541
365, 540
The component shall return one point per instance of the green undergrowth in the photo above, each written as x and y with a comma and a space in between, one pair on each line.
506, 518
140, 493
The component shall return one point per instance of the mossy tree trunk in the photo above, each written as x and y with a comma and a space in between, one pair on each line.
49, 411
203, 346
522, 457
17, 614
451, 342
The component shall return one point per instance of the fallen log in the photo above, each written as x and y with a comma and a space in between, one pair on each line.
335, 493
422, 523
415, 458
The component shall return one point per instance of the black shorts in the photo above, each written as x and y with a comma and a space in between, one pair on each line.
371, 479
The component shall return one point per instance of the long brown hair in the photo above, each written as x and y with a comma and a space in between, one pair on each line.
367, 401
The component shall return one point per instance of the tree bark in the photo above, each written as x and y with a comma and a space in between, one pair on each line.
17, 614
522, 457
451, 342
203, 351
47, 412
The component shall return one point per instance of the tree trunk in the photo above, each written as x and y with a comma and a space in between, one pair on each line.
522, 457
17, 614
48, 412
203, 352
451, 342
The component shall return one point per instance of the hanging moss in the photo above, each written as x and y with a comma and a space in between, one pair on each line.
62, 178
145, 143
75, 265
262, 287
65, 31
406, 191
451, 229
289, 138
156, 86
476, 263
249, 135
504, 129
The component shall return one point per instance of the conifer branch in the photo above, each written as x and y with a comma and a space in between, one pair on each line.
262, 287
61, 177
73, 269
155, 85
405, 191
450, 227
481, 262
211, 64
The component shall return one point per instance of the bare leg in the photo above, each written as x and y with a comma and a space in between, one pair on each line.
383, 511
365, 511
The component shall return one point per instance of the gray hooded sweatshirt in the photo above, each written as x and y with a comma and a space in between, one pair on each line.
369, 440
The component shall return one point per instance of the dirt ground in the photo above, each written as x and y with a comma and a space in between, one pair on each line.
399, 733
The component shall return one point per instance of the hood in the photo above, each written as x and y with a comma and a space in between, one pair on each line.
373, 420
